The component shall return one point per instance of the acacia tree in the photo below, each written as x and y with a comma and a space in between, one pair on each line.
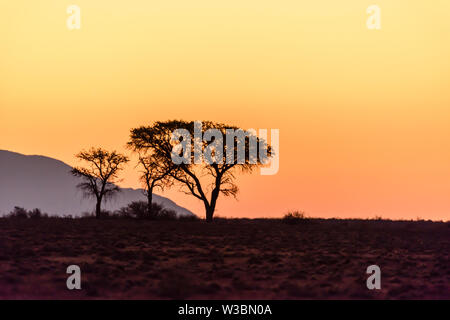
153, 175
191, 174
100, 174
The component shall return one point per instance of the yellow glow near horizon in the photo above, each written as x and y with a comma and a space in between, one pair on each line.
363, 114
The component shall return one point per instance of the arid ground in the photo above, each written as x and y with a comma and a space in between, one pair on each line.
228, 259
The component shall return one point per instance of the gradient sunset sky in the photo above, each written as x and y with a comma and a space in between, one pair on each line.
364, 115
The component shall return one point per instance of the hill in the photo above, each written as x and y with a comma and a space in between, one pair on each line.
46, 183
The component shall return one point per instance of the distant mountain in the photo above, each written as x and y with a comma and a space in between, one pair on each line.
46, 183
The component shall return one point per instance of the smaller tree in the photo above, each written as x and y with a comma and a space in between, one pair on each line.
153, 175
100, 175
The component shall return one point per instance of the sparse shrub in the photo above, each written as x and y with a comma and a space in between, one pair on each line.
166, 214
135, 209
19, 213
157, 210
139, 210
294, 217
35, 214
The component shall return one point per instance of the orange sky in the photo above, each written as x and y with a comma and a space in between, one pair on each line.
363, 114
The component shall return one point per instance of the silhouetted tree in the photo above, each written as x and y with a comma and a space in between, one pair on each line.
153, 175
100, 175
159, 139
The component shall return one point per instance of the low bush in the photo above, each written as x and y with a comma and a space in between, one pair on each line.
139, 210
21, 213
295, 217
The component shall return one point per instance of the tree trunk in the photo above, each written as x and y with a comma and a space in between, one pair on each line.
149, 204
209, 214
211, 207
98, 209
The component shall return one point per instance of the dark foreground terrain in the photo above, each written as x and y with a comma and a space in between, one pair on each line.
228, 259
